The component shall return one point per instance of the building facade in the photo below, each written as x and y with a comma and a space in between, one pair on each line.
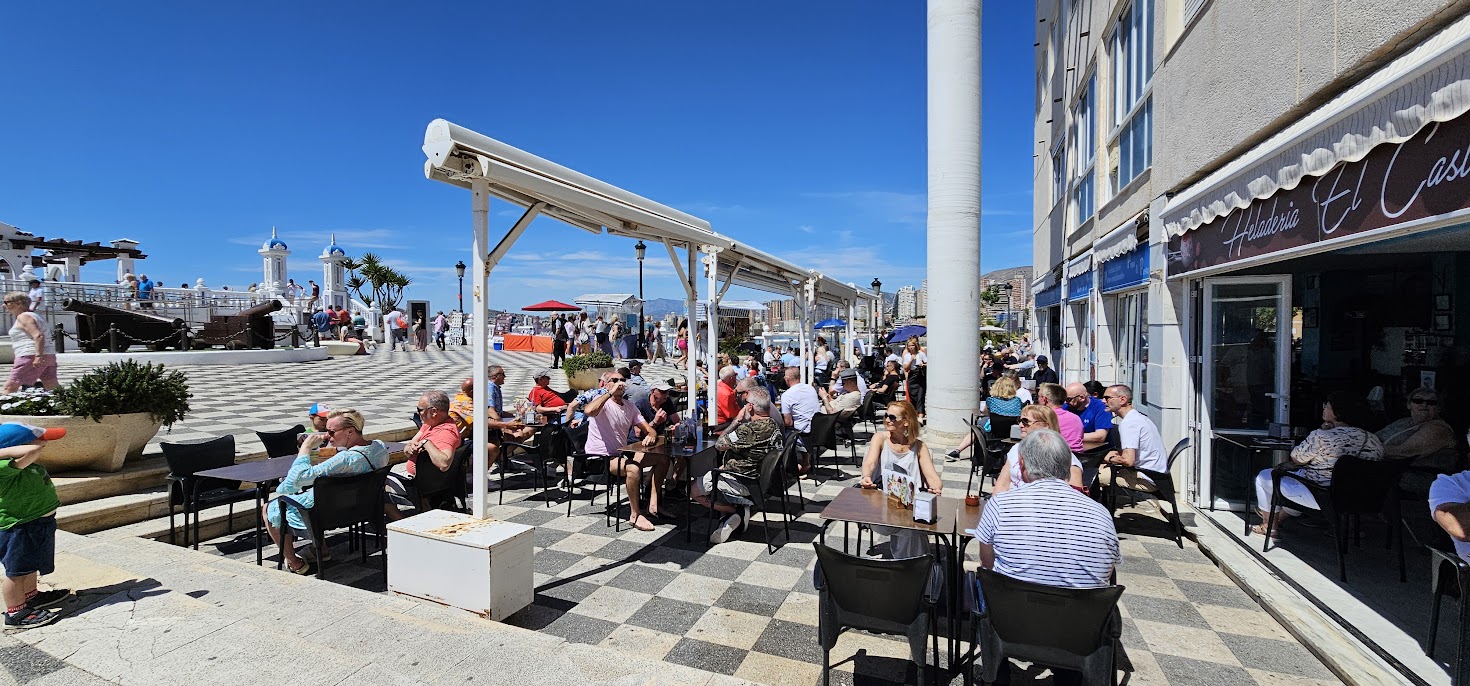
907, 305
1240, 238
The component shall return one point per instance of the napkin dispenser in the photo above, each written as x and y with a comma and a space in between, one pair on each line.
925, 504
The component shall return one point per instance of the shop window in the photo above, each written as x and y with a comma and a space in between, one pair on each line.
1083, 144
1130, 342
1131, 45
1058, 173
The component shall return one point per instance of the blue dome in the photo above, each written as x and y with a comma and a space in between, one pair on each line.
334, 249
275, 244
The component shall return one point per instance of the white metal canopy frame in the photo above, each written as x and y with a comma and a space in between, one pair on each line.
487, 167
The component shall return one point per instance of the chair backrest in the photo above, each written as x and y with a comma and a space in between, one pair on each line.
823, 433
1360, 485
786, 464
770, 481
1072, 620
1000, 425
886, 590
867, 409
281, 443
1178, 450
428, 479
569, 395
576, 439
345, 500
184, 459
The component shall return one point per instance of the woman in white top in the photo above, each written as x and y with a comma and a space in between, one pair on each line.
899, 450
1032, 417
30, 339
914, 362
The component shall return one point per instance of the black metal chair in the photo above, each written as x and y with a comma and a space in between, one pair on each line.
847, 431
1449, 576
700, 463
1358, 487
987, 457
877, 596
545, 448
822, 437
1163, 482
1000, 425
766, 484
580, 462
194, 494
350, 502
281, 443
432, 488
1062, 628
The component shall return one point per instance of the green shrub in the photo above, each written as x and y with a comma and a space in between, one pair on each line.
593, 360
126, 387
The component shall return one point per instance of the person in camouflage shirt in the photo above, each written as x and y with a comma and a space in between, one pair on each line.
750, 437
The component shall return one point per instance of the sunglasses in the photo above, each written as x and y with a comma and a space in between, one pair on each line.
1424, 401
890, 420
1023, 423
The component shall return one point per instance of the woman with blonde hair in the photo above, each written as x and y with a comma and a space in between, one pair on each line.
1032, 417
915, 369
898, 450
34, 349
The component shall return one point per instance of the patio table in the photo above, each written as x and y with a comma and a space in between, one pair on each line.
265, 474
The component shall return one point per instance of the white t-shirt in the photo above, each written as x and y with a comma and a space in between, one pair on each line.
1448, 489
893, 357
923, 359
601, 326
1137, 431
801, 403
1013, 464
394, 320
1024, 395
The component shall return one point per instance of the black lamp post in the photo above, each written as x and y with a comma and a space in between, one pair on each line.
878, 312
1008, 288
459, 271
640, 250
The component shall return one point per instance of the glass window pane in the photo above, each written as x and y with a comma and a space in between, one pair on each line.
1243, 354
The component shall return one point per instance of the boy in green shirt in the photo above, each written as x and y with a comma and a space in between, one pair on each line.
28, 505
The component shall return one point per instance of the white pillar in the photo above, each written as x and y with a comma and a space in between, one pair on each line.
711, 320
692, 291
954, 214
480, 287
849, 355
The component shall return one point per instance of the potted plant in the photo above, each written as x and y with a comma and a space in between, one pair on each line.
110, 413
583, 371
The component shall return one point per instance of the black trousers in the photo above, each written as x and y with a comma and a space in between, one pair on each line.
558, 352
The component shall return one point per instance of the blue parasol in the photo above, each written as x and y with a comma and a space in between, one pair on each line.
903, 332
831, 324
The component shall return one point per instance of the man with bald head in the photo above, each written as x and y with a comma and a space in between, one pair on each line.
1096, 420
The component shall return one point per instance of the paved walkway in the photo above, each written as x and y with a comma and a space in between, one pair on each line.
734, 609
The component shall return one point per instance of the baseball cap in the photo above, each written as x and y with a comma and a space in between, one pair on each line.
1041, 359
635, 363
16, 433
661, 386
542, 372
319, 410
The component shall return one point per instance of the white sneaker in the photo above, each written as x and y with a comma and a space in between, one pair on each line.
727, 528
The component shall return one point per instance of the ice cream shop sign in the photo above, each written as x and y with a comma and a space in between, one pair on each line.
1425, 177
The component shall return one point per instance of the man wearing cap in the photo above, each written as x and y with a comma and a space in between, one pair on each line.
635, 371
543, 399
847, 401
1043, 372
28, 504
657, 406
318, 415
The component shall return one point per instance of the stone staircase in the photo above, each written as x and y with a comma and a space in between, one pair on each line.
152, 613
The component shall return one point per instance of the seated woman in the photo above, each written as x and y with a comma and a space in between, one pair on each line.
1003, 401
1422, 436
355, 455
1032, 417
892, 381
1340, 435
899, 451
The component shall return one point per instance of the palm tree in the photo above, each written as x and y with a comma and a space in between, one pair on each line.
385, 283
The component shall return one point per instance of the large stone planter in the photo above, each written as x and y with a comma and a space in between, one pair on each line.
586, 379
102, 446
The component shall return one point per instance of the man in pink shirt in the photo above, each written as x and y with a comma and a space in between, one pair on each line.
609, 417
1054, 396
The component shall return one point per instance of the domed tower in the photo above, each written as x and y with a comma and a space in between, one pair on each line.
334, 277
274, 253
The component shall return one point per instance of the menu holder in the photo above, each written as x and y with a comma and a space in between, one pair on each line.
899, 487
924, 507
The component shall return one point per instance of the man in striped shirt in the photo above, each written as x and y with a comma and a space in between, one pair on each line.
1048, 532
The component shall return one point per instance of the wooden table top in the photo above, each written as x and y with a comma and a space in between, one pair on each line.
872, 506
665, 447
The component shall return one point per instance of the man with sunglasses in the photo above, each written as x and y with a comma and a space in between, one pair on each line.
1142, 447
437, 437
1096, 420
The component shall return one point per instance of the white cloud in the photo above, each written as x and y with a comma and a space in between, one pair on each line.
889, 206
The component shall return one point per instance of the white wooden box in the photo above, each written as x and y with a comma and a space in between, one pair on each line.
481, 566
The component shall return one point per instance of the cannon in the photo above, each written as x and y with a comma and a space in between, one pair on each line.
128, 328
251, 328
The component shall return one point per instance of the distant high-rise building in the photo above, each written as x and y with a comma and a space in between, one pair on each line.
907, 303
921, 300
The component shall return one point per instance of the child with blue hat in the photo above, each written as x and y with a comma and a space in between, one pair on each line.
28, 505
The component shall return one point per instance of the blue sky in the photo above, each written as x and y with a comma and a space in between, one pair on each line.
195, 127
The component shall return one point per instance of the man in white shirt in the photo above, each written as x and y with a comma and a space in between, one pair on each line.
1449, 505
394, 328
37, 294
1142, 446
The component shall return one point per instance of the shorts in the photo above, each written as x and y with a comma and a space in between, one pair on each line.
730, 488
29, 547
27, 371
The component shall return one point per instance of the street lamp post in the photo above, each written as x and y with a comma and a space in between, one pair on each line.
640, 249
459, 271
1008, 288
878, 306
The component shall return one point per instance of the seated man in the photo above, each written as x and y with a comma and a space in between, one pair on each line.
355, 455
657, 406
1142, 446
519, 433
502, 425
1054, 396
836, 385
798, 405
1019, 537
575, 411
1096, 420
725, 403
543, 399
611, 416
437, 439
850, 399
751, 436
635, 373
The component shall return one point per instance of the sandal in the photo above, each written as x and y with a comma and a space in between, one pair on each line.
647, 525
303, 570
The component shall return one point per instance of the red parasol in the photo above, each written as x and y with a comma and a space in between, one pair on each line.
552, 306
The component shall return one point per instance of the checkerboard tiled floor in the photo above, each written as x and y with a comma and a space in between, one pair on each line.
735, 609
